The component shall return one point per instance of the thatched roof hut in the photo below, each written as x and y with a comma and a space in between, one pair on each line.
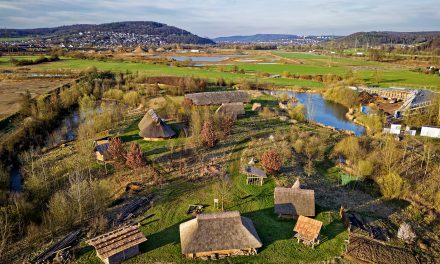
292, 202
233, 109
119, 244
139, 49
307, 230
214, 234
101, 147
152, 127
218, 98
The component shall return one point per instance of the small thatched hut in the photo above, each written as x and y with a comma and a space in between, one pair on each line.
232, 109
153, 128
292, 202
217, 98
307, 230
118, 245
101, 147
224, 234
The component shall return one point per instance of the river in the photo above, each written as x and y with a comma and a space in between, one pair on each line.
324, 112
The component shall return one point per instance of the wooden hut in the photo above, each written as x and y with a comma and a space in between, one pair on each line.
255, 175
217, 98
292, 202
218, 234
119, 244
307, 230
101, 147
153, 128
231, 109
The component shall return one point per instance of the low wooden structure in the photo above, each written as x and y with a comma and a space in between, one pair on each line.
292, 202
217, 98
218, 234
231, 109
118, 245
101, 147
153, 128
307, 230
255, 176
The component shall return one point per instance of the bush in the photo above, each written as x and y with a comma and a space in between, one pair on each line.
271, 161
298, 112
135, 157
391, 185
131, 98
116, 150
114, 94
341, 95
208, 135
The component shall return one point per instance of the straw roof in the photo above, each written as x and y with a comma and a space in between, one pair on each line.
139, 49
116, 241
233, 109
218, 231
255, 171
307, 228
218, 98
294, 201
152, 126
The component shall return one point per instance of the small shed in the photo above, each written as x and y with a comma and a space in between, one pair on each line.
231, 109
255, 176
307, 230
153, 128
218, 234
101, 147
292, 202
118, 245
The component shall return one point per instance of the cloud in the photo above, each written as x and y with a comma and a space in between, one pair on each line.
230, 17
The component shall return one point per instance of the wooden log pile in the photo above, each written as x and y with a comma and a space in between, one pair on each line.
59, 246
129, 210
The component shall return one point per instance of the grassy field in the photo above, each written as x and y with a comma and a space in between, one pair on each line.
302, 63
14, 39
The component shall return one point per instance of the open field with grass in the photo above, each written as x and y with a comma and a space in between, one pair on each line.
392, 74
11, 91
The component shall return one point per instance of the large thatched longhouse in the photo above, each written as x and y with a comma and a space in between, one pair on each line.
152, 127
218, 234
292, 202
217, 98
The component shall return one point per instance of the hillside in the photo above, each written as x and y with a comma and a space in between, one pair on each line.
137, 30
374, 38
270, 38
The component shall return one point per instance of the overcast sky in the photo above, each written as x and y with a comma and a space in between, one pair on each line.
213, 18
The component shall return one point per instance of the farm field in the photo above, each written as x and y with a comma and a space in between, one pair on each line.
392, 75
11, 91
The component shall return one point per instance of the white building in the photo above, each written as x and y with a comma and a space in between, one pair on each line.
429, 131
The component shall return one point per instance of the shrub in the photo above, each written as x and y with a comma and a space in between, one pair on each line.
114, 94
298, 112
131, 98
271, 161
135, 157
208, 135
391, 185
341, 95
116, 150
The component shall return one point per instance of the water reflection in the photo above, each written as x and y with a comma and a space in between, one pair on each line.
325, 112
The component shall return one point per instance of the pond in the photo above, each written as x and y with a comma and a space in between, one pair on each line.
324, 112
212, 59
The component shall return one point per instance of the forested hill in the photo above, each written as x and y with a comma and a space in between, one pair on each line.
165, 33
375, 38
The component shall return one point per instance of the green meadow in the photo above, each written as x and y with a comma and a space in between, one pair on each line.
392, 75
